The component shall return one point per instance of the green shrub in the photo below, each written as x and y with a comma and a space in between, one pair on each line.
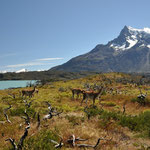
129, 121
19, 111
62, 89
110, 104
145, 101
41, 141
134, 100
74, 119
107, 115
92, 111
139, 122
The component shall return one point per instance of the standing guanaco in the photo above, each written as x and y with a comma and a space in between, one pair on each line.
76, 91
28, 92
91, 95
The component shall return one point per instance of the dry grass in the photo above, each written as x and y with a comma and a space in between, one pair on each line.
73, 120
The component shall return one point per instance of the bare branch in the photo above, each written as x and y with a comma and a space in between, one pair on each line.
124, 107
20, 145
91, 146
12, 141
28, 104
52, 112
27, 118
38, 118
58, 145
72, 140
5, 113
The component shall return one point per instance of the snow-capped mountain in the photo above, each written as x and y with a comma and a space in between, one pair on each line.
22, 70
129, 37
3, 71
129, 52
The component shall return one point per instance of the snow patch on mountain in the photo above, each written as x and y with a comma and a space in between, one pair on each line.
118, 47
129, 37
146, 30
129, 41
148, 46
142, 45
22, 70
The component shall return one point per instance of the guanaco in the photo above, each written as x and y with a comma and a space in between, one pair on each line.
27, 92
76, 91
91, 95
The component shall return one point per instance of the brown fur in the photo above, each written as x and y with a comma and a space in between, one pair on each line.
76, 91
28, 92
91, 95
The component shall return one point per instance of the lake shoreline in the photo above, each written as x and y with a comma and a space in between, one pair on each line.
13, 84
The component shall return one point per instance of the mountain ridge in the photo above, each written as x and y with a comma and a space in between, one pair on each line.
129, 52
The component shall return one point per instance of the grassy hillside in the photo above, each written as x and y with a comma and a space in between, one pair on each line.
119, 118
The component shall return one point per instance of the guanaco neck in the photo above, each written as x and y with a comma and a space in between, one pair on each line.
34, 89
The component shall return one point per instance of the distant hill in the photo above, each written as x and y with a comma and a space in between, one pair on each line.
44, 75
129, 52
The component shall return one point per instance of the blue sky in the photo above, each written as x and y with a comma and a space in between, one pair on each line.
40, 34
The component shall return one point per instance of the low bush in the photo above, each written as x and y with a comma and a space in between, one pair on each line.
139, 122
144, 102
92, 111
41, 141
75, 120
61, 89
110, 104
20, 111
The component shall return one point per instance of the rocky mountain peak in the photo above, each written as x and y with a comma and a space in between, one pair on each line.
129, 37
129, 52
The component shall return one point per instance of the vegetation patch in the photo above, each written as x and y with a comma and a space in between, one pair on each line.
109, 104
144, 102
41, 141
135, 123
106, 119
75, 120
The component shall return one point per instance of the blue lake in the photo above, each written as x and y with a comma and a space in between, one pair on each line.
15, 83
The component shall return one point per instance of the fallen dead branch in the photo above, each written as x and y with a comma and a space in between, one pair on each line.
73, 142
20, 144
58, 145
27, 104
52, 112
91, 146
12, 141
26, 118
5, 113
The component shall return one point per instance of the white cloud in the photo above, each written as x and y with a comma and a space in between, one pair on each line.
8, 55
37, 62
25, 65
49, 59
